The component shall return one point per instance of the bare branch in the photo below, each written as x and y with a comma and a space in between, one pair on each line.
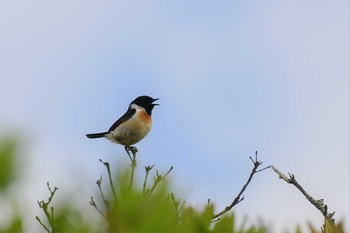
263, 169
238, 198
323, 208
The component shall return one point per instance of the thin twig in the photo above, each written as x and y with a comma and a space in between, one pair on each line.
323, 208
45, 205
158, 179
176, 202
42, 224
93, 203
110, 178
148, 169
238, 198
105, 201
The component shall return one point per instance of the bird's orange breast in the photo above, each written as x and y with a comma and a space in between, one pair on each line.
143, 116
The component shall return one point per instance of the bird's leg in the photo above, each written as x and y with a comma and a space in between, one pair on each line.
128, 150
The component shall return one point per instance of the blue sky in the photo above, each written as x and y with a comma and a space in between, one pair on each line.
232, 78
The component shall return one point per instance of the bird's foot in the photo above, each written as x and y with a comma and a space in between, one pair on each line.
131, 149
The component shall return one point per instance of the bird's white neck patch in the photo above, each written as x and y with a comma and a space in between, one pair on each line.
136, 107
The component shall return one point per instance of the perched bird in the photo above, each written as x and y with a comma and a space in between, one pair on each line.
133, 126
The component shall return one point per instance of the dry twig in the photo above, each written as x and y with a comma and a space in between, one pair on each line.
323, 208
238, 199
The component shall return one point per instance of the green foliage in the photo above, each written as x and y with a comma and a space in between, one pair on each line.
137, 212
15, 226
8, 165
122, 207
147, 209
70, 220
8, 175
152, 208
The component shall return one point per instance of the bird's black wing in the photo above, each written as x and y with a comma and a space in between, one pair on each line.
125, 117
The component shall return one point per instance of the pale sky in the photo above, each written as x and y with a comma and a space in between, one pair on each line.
233, 77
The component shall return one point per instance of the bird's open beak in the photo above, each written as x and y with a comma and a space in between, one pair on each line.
154, 101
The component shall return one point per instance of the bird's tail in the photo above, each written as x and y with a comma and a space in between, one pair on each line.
97, 135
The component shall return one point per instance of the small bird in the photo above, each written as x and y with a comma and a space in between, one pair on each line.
133, 126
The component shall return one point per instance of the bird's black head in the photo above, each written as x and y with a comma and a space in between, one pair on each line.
146, 102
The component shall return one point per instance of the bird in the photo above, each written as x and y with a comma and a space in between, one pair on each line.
133, 126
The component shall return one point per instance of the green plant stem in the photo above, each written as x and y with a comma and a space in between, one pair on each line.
45, 205
148, 169
99, 182
110, 179
158, 179
93, 203
131, 151
133, 166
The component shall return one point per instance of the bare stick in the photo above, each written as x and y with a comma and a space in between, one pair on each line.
238, 199
323, 208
